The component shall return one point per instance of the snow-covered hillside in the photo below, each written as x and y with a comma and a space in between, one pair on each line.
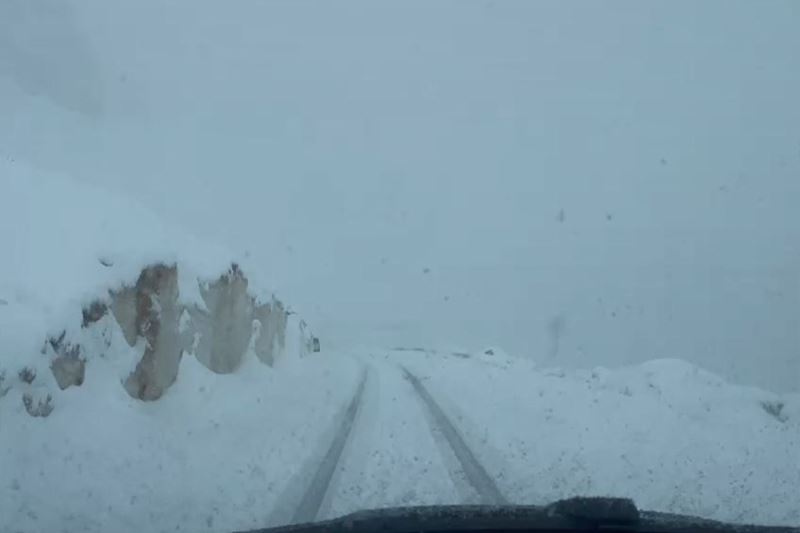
91, 279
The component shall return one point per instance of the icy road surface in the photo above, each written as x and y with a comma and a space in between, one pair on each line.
336, 433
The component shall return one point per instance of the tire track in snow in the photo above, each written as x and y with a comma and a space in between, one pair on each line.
392, 458
312, 500
475, 473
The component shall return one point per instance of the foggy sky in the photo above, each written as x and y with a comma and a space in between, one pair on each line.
345, 149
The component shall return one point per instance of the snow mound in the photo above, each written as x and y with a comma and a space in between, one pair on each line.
89, 275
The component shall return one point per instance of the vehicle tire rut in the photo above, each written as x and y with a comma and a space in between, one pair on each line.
312, 499
476, 475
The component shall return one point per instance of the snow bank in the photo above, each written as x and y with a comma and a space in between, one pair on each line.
89, 275
669, 434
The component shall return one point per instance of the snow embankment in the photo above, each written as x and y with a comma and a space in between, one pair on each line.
89, 276
666, 433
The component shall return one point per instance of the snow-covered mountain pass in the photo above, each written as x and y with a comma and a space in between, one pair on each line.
149, 383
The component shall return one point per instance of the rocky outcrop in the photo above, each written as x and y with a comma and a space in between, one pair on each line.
308, 342
37, 403
152, 317
156, 321
68, 366
226, 326
93, 313
271, 321
123, 307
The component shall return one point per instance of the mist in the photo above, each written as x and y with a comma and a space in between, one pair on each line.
580, 184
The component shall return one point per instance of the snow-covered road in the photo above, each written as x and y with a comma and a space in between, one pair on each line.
340, 432
391, 446
439, 428
391, 460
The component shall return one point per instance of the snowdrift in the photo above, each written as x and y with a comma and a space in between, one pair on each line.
89, 276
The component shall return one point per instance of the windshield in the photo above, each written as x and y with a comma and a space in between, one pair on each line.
266, 262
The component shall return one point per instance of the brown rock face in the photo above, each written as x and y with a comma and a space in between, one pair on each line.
226, 329
68, 367
68, 371
219, 335
157, 313
93, 313
123, 307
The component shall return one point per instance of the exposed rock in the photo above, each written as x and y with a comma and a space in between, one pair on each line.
68, 370
219, 334
63, 347
37, 408
93, 313
68, 366
123, 307
307, 339
775, 410
226, 329
156, 320
27, 375
272, 338
56, 342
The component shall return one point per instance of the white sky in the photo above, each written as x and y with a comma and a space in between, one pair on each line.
349, 147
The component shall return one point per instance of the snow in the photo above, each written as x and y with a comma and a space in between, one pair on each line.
346, 163
224, 452
409, 223
668, 434
209, 456
55, 233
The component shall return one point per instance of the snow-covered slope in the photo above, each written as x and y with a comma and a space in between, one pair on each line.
56, 235
87, 275
666, 433
596, 177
